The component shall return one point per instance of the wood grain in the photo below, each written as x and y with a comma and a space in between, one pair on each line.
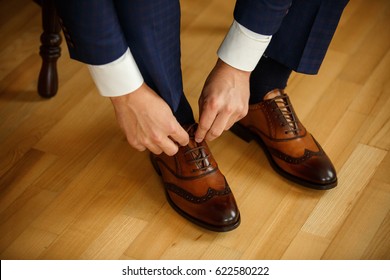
72, 188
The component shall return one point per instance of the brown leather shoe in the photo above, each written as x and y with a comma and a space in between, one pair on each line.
291, 150
196, 188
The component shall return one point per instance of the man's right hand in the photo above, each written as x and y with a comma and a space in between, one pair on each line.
148, 122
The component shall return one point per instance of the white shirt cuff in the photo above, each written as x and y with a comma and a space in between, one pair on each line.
243, 48
118, 77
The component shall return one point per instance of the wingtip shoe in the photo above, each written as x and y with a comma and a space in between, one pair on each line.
196, 188
290, 149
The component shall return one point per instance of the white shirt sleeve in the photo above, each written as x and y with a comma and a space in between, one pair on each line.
243, 48
118, 77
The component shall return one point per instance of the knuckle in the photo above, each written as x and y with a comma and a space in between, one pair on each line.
139, 148
133, 142
242, 112
156, 138
213, 104
229, 110
145, 142
202, 127
171, 128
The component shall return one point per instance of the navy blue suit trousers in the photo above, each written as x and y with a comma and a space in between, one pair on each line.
99, 31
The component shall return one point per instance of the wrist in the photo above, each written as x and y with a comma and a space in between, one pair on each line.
128, 98
223, 66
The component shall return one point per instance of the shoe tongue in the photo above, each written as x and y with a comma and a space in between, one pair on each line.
272, 94
282, 102
198, 154
191, 129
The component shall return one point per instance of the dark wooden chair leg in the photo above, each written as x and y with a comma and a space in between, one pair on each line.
50, 50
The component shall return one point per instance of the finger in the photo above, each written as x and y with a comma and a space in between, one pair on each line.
158, 144
180, 136
169, 147
139, 148
134, 143
154, 149
217, 127
230, 124
207, 119
232, 121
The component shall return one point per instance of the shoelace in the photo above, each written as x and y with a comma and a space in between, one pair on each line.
287, 115
199, 157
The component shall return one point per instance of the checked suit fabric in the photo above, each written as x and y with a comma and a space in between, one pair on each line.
99, 31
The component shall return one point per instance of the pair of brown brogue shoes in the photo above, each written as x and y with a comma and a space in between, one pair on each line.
196, 188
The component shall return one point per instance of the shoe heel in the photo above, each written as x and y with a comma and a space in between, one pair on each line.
155, 165
242, 132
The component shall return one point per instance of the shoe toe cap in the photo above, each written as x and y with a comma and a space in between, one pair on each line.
224, 212
319, 171
220, 213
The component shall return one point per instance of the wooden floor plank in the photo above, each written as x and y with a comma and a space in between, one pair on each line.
115, 239
283, 224
334, 206
72, 188
29, 245
379, 248
362, 224
22, 175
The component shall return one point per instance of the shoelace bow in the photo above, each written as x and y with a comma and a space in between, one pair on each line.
287, 115
199, 158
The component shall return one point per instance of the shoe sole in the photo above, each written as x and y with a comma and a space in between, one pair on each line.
189, 217
246, 135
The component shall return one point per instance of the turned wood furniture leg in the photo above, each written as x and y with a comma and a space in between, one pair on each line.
50, 50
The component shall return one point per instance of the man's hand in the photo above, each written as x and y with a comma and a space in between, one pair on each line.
148, 122
224, 101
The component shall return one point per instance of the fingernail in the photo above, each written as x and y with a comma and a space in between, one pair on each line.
198, 140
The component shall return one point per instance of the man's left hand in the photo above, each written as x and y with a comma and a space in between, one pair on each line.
223, 101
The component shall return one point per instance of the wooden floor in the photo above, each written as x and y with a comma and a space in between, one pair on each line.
72, 188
